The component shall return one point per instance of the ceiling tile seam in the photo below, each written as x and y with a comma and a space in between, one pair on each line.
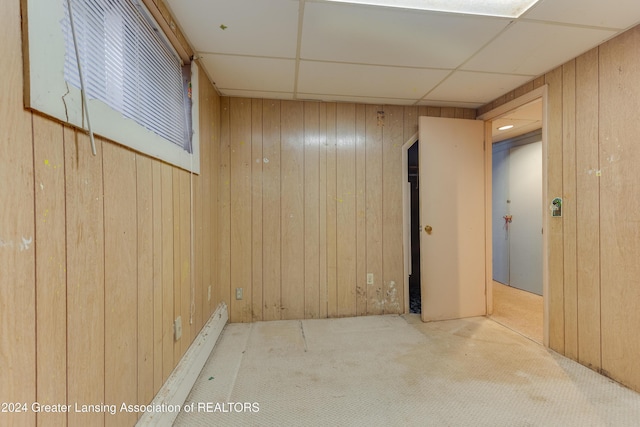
202, 52
372, 64
569, 24
298, 47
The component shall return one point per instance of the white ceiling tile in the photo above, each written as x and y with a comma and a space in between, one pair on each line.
612, 14
261, 28
534, 48
249, 73
464, 86
384, 36
365, 80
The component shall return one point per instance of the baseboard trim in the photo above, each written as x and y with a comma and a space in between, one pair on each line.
176, 389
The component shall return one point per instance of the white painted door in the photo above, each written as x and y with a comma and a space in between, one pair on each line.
525, 229
452, 207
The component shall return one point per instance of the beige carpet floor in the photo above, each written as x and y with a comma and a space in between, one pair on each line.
397, 371
518, 310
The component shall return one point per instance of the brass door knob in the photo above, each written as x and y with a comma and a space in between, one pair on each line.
428, 229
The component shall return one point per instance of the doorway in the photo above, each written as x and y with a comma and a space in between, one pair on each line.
518, 279
413, 179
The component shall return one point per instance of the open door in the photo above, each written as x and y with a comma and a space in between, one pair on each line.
452, 216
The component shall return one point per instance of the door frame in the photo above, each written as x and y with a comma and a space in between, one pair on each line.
488, 117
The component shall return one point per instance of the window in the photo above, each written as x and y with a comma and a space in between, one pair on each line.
139, 92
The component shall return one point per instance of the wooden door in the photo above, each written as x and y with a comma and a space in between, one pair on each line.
452, 216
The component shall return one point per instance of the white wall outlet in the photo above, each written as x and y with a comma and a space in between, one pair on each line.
209, 293
177, 328
369, 278
238, 293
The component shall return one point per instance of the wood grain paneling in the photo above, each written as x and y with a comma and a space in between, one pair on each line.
569, 225
271, 230
346, 210
554, 189
144, 207
374, 204
619, 154
51, 276
315, 206
241, 250
88, 306
311, 210
17, 230
223, 291
120, 296
85, 276
587, 210
292, 205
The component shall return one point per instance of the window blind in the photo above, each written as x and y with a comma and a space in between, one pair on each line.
128, 64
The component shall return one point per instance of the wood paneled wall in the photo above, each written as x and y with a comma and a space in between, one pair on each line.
310, 202
98, 256
593, 156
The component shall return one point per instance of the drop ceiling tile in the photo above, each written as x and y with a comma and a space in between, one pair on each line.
385, 36
250, 73
532, 48
612, 14
261, 28
365, 80
470, 87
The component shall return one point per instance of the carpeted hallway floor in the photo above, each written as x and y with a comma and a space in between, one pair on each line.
397, 371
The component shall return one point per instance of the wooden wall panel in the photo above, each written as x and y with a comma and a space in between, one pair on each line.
619, 153
361, 218
271, 230
196, 253
292, 215
51, 276
158, 294
322, 214
331, 216
569, 209
240, 145
587, 207
392, 217
223, 290
177, 260
17, 230
166, 182
257, 162
187, 303
374, 204
346, 210
554, 189
144, 207
311, 210
85, 276
120, 278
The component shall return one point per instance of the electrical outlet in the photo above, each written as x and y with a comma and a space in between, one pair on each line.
369, 278
209, 293
238, 293
177, 328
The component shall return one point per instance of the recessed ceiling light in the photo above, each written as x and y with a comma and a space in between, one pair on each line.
504, 8
505, 127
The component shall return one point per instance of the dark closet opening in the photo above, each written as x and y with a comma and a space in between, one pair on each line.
414, 277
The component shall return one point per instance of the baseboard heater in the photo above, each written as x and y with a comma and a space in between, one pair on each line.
175, 390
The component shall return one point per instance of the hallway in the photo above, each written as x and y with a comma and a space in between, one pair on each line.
396, 370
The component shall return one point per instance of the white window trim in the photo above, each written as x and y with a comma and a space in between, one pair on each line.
50, 94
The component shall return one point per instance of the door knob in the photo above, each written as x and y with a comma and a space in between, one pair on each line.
428, 229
